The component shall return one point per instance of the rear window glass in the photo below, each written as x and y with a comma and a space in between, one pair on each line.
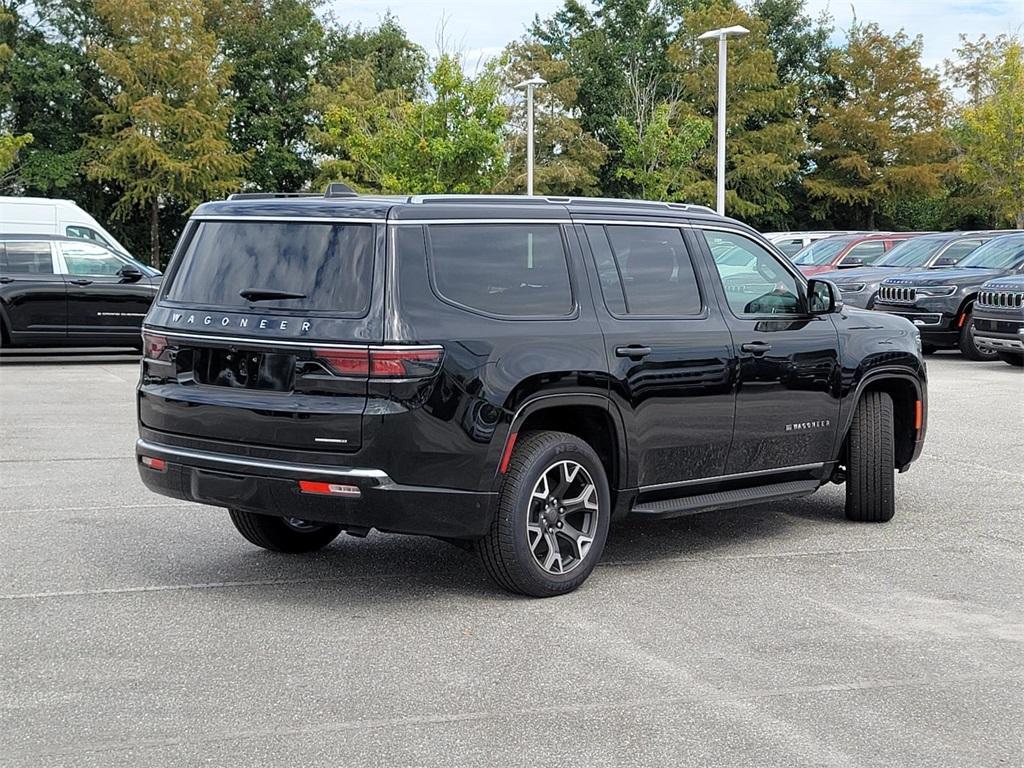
26, 258
315, 267
516, 270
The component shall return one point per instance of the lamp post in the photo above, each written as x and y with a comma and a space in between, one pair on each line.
534, 82
722, 35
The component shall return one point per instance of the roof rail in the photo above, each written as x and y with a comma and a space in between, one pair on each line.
334, 189
555, 200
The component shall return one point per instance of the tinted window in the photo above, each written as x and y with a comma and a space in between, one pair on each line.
327, 266
89, 259
821, 252
765, 288
790, 247
957, 251
84, 233
607, 271
502, 269
26, 258
656, 271
912, 253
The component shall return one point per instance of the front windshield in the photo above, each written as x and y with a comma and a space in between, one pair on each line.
821, 252
912, 253
1000, 253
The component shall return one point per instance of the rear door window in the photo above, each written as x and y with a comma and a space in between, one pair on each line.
23, 257
652, 269
508, 270
300, 266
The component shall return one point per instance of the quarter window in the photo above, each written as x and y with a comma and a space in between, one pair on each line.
512, 270
26, 258
763, 286
89, 259
645, 271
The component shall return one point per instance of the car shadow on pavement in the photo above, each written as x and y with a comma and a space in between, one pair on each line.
16, 356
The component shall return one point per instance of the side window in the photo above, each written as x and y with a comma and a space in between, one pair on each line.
512, 270
89, 259
763, 286
654, 271
85, 233
865, 253
957, 251
22, 257
607, 270
790, 247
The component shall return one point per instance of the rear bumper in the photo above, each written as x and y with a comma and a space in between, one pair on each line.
272, 488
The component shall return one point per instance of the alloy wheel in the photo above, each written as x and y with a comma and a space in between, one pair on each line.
561, 522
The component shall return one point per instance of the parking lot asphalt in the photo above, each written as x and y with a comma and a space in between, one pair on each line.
137, 630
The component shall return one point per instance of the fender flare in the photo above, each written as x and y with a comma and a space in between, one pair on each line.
873, 376
543, 402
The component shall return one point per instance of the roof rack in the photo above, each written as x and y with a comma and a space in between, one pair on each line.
554, 200
334, 189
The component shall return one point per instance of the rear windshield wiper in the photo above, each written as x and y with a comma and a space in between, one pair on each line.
266, 294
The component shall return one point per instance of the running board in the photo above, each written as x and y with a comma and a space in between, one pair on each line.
740, 497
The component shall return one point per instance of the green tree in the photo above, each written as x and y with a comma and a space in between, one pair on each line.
163, 139
567, 158
10, 144
991, 134
656, 157
397, 63
449, 143
881, 134
763, 129
275, 48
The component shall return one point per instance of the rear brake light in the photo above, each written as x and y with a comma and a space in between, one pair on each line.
153, 463
383, 362
328, 489
153, 346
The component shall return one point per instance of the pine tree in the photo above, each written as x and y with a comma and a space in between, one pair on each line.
163, 139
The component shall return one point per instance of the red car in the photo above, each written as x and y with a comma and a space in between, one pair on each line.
844, 251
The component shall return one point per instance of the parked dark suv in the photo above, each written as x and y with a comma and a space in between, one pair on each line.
63, 291
513, 373
999, 319
941, 303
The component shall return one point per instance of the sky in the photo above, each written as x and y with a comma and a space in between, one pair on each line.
481, 28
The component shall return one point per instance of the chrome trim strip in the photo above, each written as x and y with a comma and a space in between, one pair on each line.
298, 219
259, 340
218, 458
717, 478
418, 222
998, 344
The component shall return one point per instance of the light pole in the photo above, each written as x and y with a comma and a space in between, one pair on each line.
534, 82
723, 35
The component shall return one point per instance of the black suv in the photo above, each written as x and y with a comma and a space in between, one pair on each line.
999, 319
62, 291
513, 373
941, 303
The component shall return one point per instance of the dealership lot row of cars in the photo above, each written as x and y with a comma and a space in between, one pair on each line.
65, 280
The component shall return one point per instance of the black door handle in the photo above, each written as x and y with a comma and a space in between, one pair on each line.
80, 282
6, 280
756, 347
634, 351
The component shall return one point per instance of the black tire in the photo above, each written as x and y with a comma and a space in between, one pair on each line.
279, 535
1016, 359
505, 550
968, 346
871, 460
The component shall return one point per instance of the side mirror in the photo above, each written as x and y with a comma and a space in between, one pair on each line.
823, 297
130, 273
851, 261
945, 261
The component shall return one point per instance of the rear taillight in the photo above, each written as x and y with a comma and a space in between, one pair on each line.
153, 346
383, 362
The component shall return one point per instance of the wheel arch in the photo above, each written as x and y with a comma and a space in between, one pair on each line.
906, 392
591, 417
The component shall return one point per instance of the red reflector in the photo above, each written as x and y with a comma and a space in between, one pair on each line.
918, 415
153, 346
962, 318
328, 489
158, 464
506, 457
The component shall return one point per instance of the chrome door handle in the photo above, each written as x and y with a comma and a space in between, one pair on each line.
633, 351
80, 282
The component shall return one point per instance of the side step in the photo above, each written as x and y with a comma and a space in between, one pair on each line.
740, 497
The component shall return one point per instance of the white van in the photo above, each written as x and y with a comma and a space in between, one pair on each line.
46, 216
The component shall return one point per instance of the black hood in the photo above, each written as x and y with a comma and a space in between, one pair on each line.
958, 277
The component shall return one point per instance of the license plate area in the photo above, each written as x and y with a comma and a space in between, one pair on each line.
240, 369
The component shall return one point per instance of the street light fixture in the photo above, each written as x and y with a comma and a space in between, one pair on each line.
534, 82
722, 35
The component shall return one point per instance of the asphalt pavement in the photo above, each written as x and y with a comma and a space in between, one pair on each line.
137, 630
